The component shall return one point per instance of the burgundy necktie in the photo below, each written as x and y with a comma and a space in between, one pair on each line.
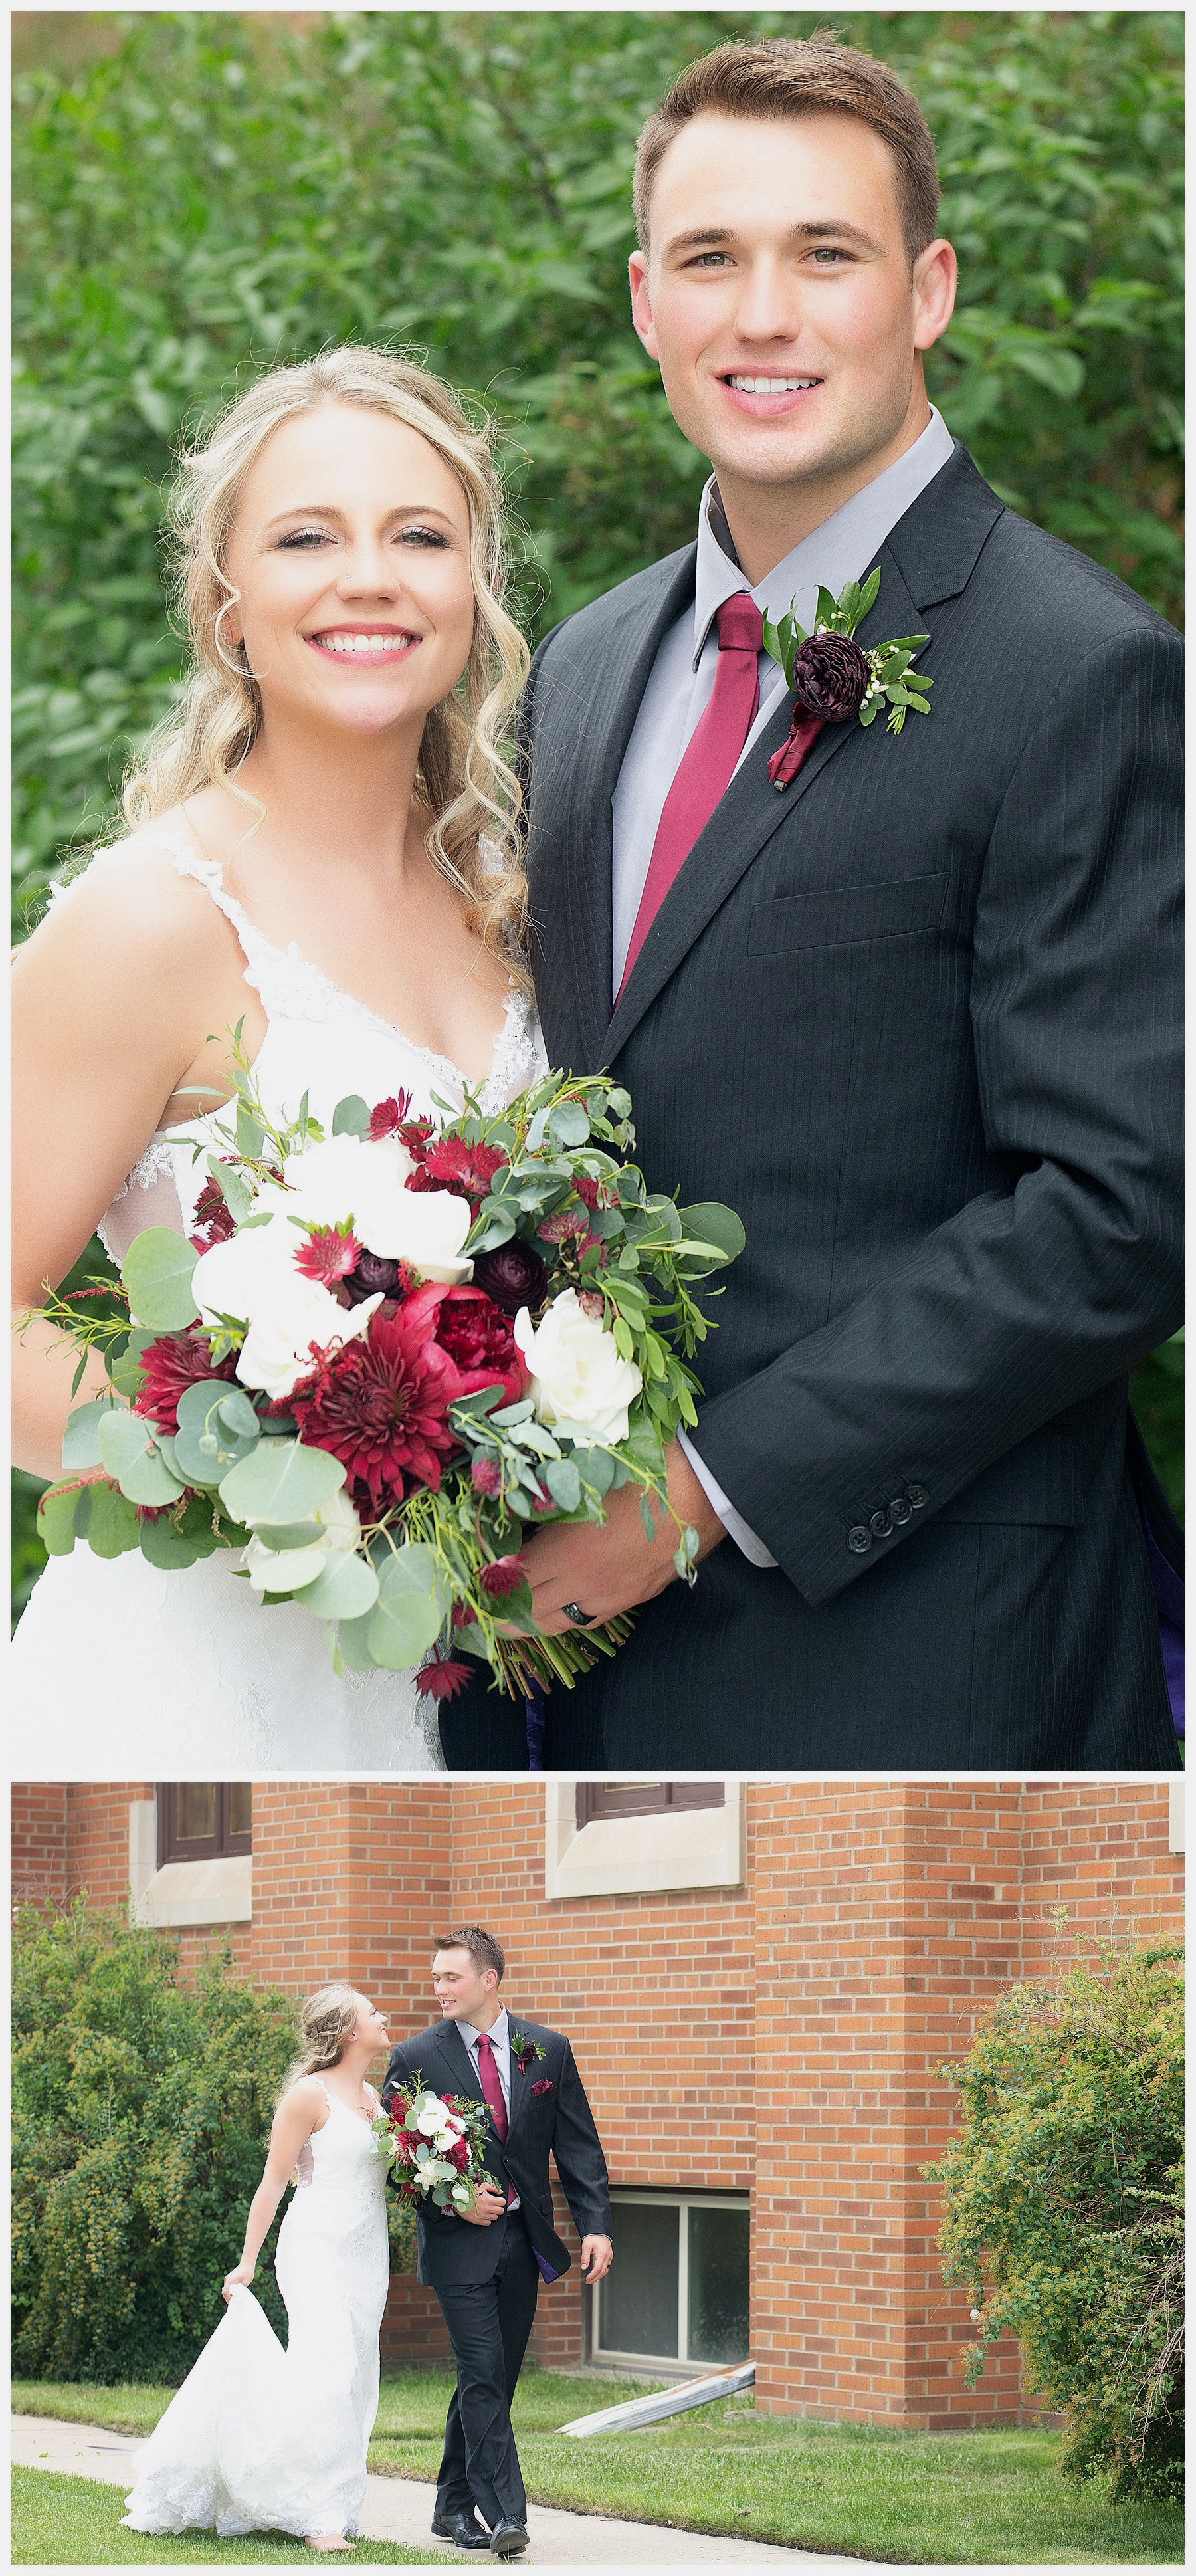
708, 760
492, 2089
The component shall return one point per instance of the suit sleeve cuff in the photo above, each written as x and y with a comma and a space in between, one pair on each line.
735, 1526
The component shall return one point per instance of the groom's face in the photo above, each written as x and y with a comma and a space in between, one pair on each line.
779, 297
461, 1988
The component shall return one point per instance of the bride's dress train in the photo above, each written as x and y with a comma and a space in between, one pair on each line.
258, 2439
185, 1675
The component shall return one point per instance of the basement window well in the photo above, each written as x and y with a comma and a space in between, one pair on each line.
678, 2292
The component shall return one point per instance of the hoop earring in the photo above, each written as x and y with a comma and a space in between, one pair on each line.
240, 670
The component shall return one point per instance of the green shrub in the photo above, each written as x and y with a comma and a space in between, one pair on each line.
141, 2115
1063, 2201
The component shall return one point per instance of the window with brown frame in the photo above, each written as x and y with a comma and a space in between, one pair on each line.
600, 1799
204, 1819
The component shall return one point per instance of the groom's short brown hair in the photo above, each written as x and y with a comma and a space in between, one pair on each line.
800, 76
485, 1949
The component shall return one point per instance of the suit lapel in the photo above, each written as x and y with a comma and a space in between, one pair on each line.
520, 2088
746, 818
577, 819
456, 2054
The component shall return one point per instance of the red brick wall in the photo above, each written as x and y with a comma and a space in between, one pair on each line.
784, 2038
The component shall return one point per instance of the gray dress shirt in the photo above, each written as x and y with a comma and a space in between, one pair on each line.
499, 2036
679, 687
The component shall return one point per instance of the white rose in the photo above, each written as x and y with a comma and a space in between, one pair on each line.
343, 1177
276, 1351
425, 1227
430, 2117
237, 1277
289, 1569
576, 1372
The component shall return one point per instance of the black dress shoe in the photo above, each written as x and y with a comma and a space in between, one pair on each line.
507, 2539
462, 2529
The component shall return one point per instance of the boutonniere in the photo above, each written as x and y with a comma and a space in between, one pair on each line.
834, 679
523, 2050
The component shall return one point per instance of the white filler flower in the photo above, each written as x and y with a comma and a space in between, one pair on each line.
576, 1372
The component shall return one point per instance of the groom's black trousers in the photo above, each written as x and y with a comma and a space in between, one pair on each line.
489, 2323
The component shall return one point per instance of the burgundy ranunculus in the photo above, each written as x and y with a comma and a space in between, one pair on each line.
830, 678
514, 1275
169, 1367
382, 1405
373, 1273
474, 1336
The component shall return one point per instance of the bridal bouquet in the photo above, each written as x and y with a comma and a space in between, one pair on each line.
385, 1354
435, 2143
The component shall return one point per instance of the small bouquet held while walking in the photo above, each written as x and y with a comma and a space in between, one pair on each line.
384, 1355
435, 2144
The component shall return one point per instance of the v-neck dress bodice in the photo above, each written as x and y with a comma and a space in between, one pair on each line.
258, 2439
186, 1675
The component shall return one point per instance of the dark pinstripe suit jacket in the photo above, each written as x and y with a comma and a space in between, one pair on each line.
918, 1020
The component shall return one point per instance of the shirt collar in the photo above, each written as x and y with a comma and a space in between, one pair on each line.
497, 2033
840, 550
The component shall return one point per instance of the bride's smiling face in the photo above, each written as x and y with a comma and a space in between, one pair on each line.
370, 2027
350, 551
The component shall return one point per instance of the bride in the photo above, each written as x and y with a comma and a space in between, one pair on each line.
322, 848
258, 2439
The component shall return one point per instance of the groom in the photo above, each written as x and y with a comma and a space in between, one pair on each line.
915, 1016
486, 2264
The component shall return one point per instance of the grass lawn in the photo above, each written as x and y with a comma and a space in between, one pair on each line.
60, 2521
978, 2499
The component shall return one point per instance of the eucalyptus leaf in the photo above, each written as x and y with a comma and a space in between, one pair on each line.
164, 1546
123, 1364
81, 1438
708, 1222
347, 1589
564, 1483
595, 1467
351, 1116
236, 1193
568, 1123
156, 1272
353, 1637
56, 1510
280, 1481
112, 1524
238, 1415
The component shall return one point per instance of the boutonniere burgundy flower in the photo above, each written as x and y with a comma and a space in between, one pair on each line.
523, 2051
834, 679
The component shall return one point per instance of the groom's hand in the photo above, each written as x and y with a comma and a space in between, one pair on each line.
597, 2255
609, 1568
485, 2207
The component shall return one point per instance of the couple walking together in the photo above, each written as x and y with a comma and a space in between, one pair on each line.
259, 2439
914, 1016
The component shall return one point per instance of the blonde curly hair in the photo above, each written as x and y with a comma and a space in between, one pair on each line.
326, 2021
463, 775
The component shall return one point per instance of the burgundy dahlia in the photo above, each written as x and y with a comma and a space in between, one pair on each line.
513, 1276
382, 1405
169, 1367
830, 678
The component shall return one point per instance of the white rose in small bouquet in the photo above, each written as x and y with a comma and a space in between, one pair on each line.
576, 1372
345, 1176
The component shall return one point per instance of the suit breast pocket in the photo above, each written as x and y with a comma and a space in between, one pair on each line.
843, 916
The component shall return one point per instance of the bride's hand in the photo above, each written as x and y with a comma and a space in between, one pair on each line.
238, 2280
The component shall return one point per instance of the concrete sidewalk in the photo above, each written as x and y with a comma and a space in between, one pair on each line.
400, 2509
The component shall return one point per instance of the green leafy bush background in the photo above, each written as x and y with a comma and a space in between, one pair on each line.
218, 190
141, 2116
1064, 2204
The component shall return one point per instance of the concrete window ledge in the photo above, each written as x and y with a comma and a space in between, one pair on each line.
184, 1893
637, 1855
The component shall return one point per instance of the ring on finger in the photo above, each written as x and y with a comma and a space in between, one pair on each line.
580, 1618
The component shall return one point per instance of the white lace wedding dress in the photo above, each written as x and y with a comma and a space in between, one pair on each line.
186, 1676
258, 2439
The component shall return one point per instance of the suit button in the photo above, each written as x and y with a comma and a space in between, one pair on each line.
900, 1509
917, 1497
859, 1541
880, 1525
